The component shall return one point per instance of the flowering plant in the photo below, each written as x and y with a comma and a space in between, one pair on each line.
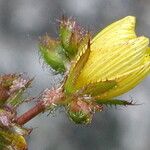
95, 70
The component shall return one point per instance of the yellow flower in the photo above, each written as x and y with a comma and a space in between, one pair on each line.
114, 62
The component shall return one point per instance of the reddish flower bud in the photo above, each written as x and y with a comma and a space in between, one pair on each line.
81, 112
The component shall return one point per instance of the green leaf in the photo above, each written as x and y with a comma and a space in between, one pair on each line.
83, 42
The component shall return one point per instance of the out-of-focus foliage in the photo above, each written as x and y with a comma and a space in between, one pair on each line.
11, 140
12, 87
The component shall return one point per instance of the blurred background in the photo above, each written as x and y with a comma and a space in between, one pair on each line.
21, 24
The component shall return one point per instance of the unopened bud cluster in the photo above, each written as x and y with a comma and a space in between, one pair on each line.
59, 52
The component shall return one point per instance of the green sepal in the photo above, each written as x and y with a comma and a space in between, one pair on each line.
76, 69
114, 102
84, 43
97, 88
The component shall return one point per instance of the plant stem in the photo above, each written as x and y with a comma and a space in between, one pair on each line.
38, 108
49, 98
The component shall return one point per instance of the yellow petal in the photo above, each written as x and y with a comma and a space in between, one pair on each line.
125, 57
116, 54
118, 32
128, 81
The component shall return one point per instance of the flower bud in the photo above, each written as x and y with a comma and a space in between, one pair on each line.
115, 61
52, 53
71, 36
81, 112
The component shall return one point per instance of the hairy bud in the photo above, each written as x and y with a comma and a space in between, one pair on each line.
81, 112
71, 35
52, 53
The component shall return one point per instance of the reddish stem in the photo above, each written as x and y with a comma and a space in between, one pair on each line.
49, 97
40, 107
